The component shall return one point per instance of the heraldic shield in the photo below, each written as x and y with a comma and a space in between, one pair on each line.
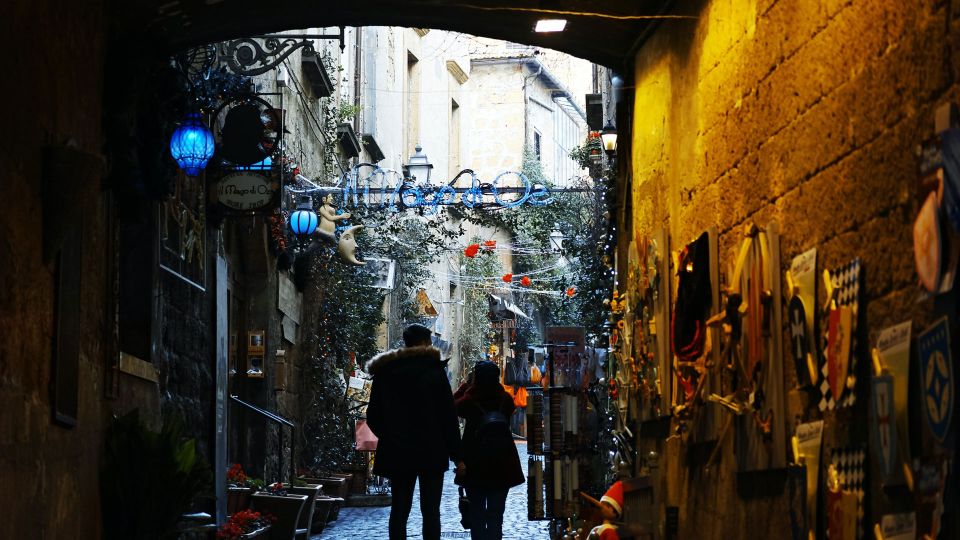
885, 426
838, 349
937, 377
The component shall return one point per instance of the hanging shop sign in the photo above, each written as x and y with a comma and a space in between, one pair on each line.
386, 189
246, 191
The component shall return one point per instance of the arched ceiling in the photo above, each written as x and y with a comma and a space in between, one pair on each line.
605, 32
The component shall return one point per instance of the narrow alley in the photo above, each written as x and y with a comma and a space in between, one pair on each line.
357, 523
649, 269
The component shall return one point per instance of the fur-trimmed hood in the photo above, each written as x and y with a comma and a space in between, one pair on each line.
414, 356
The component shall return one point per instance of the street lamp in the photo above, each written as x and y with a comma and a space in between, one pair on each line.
556, 240
419, 167
609, 138
192, 145
304, 220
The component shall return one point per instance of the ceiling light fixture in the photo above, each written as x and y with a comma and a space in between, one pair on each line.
550, 25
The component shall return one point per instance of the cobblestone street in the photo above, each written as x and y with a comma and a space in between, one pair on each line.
371, 523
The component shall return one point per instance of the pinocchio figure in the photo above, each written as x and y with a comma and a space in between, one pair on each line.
611, 510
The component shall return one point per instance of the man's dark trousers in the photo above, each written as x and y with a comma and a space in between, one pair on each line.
431, 488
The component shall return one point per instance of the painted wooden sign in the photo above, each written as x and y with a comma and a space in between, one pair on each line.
245, 190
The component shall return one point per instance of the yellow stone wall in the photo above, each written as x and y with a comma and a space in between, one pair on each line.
806, 113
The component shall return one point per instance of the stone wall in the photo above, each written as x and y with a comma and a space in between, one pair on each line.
184, 351
805, 113
48, 473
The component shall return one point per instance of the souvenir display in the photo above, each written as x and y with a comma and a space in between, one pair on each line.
757, 358
850, 466
839, 365
841, 509
893, 350
801, 313
692, 308
693, 360
884, 428
838, 349
647, 316
937, 378
897, 527
950, 141
936, 243
555, 445
927, 244
930, 486
610, 508
809, 437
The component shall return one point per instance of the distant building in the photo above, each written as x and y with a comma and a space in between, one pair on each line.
518, 103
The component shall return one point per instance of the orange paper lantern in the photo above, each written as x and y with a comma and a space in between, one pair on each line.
489, 245
525, 281
507, 278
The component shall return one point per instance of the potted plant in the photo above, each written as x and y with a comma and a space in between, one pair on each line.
286, 507
239, 489
148, 479
245, 524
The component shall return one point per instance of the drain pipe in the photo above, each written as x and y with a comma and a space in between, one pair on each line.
526, 102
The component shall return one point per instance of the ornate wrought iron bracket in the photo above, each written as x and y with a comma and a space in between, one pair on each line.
259, 54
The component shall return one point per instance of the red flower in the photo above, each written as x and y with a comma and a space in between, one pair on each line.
236, 475
571, 292
525, 281
472, 250
507, 278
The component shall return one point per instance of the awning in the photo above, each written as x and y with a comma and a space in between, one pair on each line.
511, 307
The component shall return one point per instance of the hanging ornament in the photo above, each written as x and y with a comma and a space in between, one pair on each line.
192, 145
347, 246
571, 292
616, 305
489, 245
525, 281
507, 278
471, 250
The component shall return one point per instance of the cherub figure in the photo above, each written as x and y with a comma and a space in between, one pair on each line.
328, 219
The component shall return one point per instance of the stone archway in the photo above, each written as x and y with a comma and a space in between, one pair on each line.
605, 33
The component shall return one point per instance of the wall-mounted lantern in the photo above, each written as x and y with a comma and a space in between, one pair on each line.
609, 138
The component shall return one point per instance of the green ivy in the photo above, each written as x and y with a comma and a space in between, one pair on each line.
582, 219
345, 314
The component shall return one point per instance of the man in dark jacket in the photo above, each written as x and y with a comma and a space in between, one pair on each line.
412, 414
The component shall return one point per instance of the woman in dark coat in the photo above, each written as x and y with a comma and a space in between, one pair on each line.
491, 468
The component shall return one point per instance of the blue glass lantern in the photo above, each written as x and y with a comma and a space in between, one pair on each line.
304, 220
192, 145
